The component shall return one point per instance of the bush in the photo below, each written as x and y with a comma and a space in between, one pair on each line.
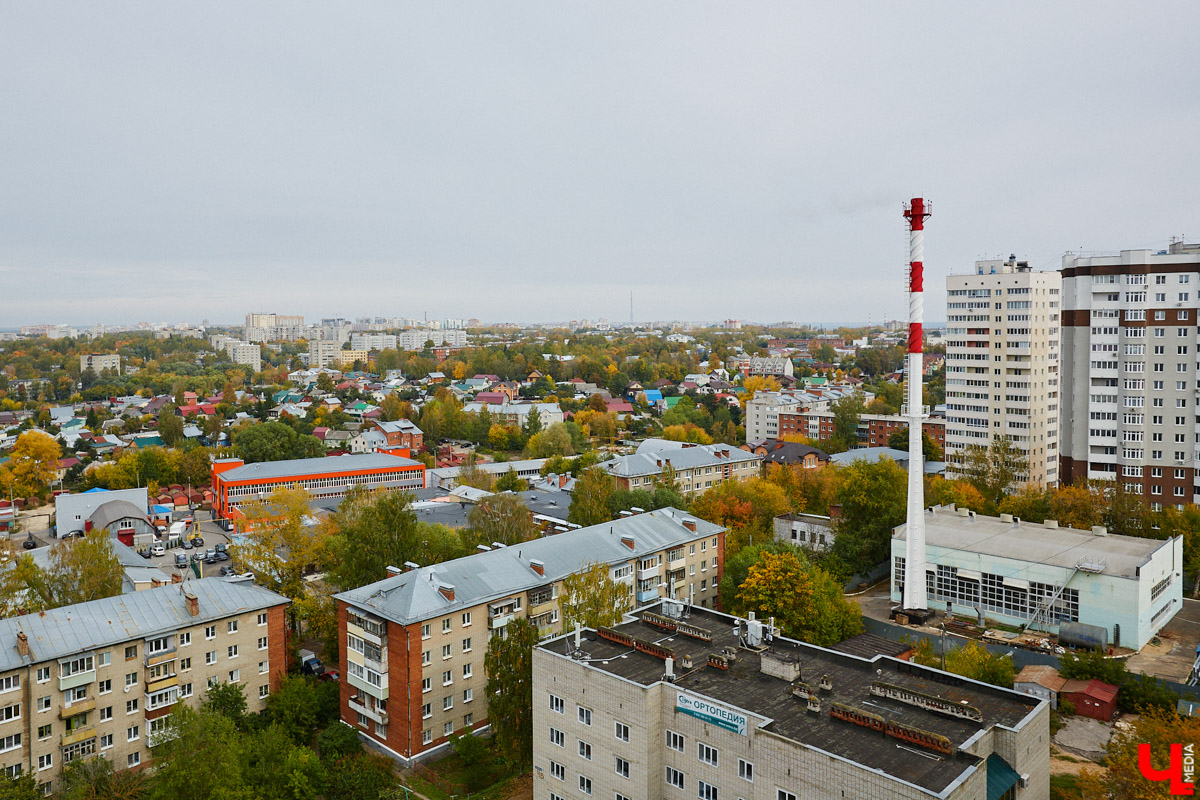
338, 741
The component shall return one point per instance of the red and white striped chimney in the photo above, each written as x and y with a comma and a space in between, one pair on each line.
914, 547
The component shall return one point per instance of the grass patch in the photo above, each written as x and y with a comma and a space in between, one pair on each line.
1065, 787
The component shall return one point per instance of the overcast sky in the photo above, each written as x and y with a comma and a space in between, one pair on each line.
518, 161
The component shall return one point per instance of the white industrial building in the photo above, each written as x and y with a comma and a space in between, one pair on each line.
1040, 575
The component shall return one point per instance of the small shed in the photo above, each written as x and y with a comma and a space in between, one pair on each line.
1041, 681
1094, 698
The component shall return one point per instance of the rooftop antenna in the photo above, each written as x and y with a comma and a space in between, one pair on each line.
914, 546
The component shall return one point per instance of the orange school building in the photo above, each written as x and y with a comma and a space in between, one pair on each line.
235, 482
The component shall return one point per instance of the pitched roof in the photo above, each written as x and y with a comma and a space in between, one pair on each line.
78, 628
1043, 675
1104, 692
484, 576
652, 451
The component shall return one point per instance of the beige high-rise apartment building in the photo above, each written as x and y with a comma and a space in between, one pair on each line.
1002, 364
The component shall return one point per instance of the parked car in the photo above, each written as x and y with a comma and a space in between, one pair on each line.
222, 547
196, 541
198, 556
226, 571
210, 556
329, 675
186, 544
158, 549
309, 663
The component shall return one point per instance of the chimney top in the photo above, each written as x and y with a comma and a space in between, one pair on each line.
192, 601
537, 566
407, 565
23, 644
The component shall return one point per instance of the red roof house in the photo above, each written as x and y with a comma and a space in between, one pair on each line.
1094, 698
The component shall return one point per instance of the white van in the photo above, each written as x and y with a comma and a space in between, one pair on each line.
177, 530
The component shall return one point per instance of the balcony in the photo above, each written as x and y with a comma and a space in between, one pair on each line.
648, 573
161, 682
358, 703
647, 596
77, 679
500, 620
78, 707
363, 633
77, 736
160, 657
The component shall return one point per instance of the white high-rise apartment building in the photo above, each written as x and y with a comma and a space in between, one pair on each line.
263, 327
1002, 363
1130, 342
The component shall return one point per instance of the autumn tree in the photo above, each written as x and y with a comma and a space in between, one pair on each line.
280, 542
509, 668
972, 660
590, 498
1030, 503
32, 465
473, 475
940, 492
553, 441
79, 570
1158, 728
747, 508
592, 598
1075, 506
806, 601
501, 518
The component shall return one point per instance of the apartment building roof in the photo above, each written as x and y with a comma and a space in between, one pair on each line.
464, 582
653, 454
66, 631
293, 468
917, 699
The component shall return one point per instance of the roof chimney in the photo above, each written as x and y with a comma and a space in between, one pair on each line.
627, 541
393, 570
537, 566
193, 603
23, 644
176, 578
410, 565
690, 524
447, 591
562, 480
1099, 530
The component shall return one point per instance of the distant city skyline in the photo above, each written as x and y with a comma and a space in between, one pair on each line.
540, 161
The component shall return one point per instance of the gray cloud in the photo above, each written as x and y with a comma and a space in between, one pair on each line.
538, 161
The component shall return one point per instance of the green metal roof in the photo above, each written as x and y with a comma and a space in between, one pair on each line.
1000, 777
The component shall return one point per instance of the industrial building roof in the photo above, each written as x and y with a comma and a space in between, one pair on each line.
504, 571
79, 628
1117, 556
294, 468
746, 687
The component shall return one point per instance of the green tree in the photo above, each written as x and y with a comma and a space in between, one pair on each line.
276, 767
509, 667
274, 441
338, 741
363, 776
553, 441
502, 518
994, 469
293, 707
805, 600
200, 759
593, 599
510, 482
22, 787
874, 500
369, 532
846, 413
325, 382
590, 498
170, 425
97, 779
228, 700
930, 450
533, 422
972, 660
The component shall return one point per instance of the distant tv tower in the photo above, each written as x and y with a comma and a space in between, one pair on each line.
914, 546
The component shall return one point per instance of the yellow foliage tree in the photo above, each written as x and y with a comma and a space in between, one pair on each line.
1159, 729
806, 601
34, 463
758, 383
278, 544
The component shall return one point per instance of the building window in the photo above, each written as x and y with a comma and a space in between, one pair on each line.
210, 657
43, 674
466, 645
133, 759
131, 652
262, 619
621, 731
706, 754
235, 676
745, 770
445, 652
674, 777
557, 737
210, 632
447, 702
426, 684
132, 734
46, 761
446, 625
426, 658
263, 691
232, 651
468, 695
622, 767
231, 626
585, 750
43, 704
106, 741
466, 619
780, 794
674, 741
707, 791
585, 784
131, 706
468, 670
557, 704
425, 631
185, 638
426, 736
585, 715
558, 771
